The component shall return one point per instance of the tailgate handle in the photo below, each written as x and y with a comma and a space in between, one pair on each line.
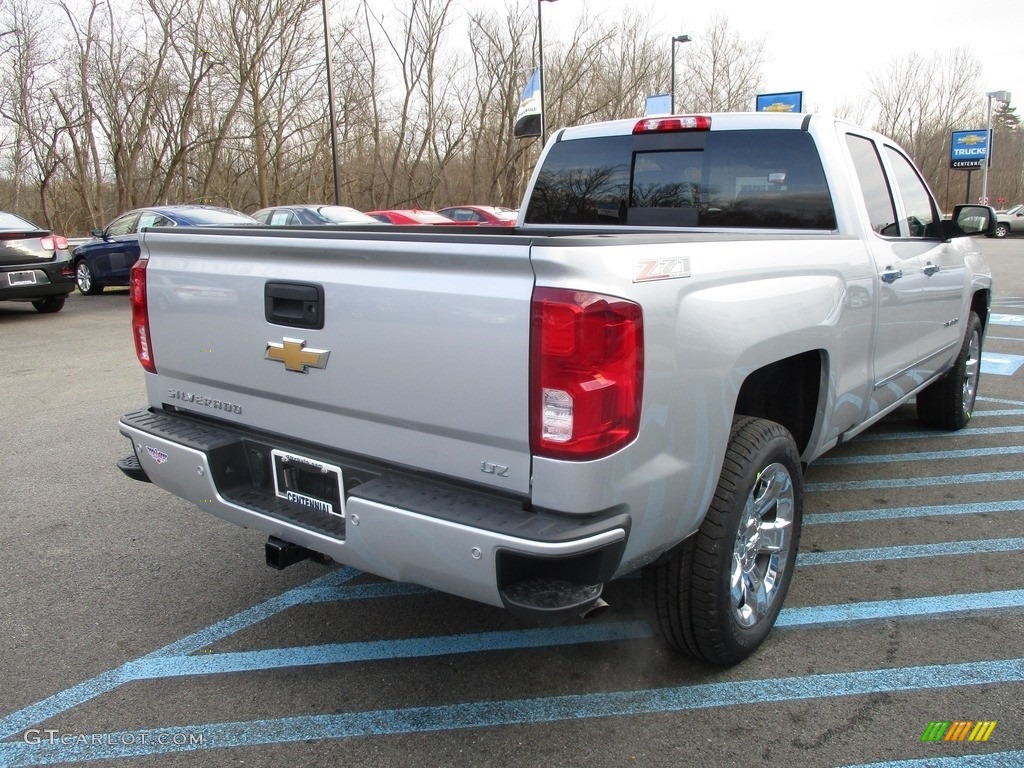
297, 305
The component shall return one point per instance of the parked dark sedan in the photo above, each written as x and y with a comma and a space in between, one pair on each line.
107, 258
35, 264
312, 215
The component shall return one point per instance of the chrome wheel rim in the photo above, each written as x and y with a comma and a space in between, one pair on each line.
763, 541
972, 372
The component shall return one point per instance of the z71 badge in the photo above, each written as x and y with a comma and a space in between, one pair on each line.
661, 269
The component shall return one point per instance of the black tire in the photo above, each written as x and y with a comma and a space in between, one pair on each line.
949, 402
49, 304
1002, 229
759, 494
85, 279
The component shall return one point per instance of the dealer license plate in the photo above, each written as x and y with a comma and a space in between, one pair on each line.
309, 482
21, 278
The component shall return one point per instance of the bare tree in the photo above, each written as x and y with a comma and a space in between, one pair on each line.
720, 72
920, 103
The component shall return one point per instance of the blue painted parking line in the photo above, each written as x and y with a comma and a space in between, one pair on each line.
917, 482
912, 607
901, 513
489, 714
993, 760
909, 551
1000, 364
381, 650
966, 453
971, 431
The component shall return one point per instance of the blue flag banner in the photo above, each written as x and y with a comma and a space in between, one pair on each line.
528, 117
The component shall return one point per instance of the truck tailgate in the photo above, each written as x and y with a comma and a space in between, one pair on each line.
421, 360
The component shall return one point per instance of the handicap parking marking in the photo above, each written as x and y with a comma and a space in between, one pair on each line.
1002, 319
1000, 364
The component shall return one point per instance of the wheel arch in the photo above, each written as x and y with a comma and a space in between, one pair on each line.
786, 391
981, 301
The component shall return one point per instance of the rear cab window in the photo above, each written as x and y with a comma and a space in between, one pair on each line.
770, 179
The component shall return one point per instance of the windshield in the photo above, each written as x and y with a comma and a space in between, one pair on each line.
8, 221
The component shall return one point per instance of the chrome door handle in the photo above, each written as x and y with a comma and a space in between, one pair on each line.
931, 269
890, 275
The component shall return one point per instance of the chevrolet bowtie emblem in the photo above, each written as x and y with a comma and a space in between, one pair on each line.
296, 356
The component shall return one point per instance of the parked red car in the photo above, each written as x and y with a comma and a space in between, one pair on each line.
484, 215
414, 216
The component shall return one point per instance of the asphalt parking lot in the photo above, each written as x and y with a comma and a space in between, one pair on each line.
138, 629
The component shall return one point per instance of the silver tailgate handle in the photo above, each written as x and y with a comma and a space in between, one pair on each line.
890, 275
931, 269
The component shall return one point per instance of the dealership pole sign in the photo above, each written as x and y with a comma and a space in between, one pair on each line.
969, 149
780, 102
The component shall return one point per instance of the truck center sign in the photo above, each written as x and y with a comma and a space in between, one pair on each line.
968, 149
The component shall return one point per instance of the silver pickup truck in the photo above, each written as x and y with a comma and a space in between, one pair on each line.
689, 311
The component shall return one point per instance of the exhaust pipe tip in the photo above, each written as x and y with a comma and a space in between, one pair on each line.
596, 608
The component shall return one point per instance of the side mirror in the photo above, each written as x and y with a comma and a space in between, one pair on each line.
97, 233
973, 220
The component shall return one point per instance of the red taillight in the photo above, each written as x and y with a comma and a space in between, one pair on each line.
586, 373
676, 123
54, 243
140, 315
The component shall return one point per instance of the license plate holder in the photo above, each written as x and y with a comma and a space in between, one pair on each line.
312, 483
21, 278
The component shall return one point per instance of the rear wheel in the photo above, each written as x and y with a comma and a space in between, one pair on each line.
949, 402
1002, 230
717, 597
49, 304
85, 279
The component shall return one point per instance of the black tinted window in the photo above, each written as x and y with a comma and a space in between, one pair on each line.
764, 179
919, 214
873, 186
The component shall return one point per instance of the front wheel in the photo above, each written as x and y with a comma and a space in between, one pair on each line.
719, 595
949, 402
1002, 230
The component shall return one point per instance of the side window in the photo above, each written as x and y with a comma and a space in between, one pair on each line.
281, 218
873, 186
583, 182
919, 211
124, 225
152, 219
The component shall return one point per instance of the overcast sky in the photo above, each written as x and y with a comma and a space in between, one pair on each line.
828, 53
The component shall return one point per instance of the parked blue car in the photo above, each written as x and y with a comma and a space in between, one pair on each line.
107, 258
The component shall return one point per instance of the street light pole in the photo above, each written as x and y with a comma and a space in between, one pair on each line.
672, 98
330, 108
540, 69
1003, 96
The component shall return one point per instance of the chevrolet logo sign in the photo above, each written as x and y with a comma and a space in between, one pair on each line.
296, 356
